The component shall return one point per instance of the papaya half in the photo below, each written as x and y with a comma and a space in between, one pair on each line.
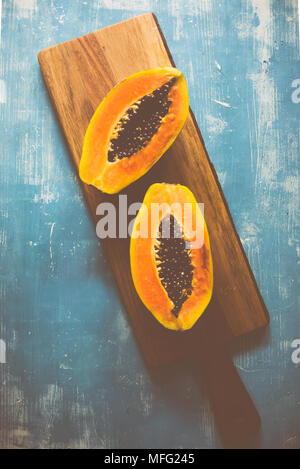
170, 256
133, 126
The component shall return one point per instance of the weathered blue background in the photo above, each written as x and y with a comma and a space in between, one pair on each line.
74, 376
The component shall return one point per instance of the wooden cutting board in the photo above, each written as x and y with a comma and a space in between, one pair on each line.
78, 74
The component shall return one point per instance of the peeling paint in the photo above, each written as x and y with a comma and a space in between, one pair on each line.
3, 92
218, 66
216, 125
50, 247
222, 103
25, 8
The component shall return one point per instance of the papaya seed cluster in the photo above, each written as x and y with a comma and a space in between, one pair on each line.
173, 261
140, 123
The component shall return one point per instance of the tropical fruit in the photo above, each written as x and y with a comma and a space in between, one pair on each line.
132, 127
170, 256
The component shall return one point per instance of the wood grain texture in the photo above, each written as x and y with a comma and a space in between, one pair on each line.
78, 74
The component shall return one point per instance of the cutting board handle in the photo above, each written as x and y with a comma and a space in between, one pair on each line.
235, 412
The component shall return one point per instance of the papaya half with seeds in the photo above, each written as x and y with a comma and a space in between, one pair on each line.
132, 127
170, 256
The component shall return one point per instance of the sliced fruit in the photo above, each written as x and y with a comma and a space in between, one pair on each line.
170, 256
132, 127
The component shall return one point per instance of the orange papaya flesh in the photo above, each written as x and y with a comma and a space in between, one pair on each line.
133, 127
173, 275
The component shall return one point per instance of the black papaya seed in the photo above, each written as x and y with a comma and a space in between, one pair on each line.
140, 123
173, 261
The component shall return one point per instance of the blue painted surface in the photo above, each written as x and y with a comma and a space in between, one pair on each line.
74, 376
